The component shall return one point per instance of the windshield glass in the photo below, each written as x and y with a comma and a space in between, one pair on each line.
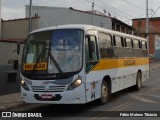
52, 52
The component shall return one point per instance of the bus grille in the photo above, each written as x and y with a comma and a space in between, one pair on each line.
48, 88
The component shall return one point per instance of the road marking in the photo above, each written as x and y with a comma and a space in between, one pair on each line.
156, 96
109, 112
143, 99
120, 106
154, 89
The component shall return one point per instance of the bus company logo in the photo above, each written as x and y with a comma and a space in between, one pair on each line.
46, 83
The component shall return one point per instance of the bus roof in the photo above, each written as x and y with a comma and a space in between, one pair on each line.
89, 27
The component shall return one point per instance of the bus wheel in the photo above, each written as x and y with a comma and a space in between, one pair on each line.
105, 93
138, 81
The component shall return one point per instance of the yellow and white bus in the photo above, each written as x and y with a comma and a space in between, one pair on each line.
76, 64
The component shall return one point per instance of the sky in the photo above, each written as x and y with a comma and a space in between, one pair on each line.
124, 10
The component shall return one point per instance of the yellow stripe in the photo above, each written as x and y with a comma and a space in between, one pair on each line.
120, 63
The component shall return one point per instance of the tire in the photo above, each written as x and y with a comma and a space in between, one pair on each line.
138, 85
105, 93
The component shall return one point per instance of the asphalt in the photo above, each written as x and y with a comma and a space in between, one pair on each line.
14, 100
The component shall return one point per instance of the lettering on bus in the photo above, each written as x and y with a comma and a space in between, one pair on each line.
39, 66
129, 62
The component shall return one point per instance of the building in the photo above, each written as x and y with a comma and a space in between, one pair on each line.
17, 29
10, 66
154, 33
14, 32
52, 16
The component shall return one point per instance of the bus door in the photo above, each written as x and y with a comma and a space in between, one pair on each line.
92, 59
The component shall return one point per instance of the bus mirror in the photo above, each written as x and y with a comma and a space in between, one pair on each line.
91, 46
18, 48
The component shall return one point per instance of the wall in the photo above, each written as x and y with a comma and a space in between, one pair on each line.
18, 28
140, 25
52, 16
13, 31
157, 46
7, 56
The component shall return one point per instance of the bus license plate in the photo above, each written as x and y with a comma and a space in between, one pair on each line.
46, 96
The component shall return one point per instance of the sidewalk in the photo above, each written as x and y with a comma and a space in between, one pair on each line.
11, 101
154, 65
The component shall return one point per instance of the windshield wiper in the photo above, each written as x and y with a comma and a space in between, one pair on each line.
37, 60
55, 63
52, 58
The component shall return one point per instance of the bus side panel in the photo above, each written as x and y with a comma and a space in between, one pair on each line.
121, 78
93, 85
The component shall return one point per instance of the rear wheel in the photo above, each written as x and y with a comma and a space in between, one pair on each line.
138, 81
105, 93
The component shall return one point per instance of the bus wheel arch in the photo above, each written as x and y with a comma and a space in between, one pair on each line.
105, 90
138, 80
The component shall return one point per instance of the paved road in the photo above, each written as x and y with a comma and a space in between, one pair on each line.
147, 99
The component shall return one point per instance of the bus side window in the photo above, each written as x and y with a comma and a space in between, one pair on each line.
137, 50
129, 47
144, 49
91, 52
119, 47
105, 44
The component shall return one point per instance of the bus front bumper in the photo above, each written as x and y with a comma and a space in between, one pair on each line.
76, 96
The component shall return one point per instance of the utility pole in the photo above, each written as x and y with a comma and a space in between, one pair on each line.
147, 29
30, 16
0, 19
92, 11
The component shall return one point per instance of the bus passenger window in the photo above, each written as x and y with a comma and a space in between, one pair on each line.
119, 47
105, 45
129, 48
144, 49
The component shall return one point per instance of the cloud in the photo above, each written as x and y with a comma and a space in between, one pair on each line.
16, 8
12, 13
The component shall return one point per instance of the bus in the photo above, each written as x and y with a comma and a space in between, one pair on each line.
76, 64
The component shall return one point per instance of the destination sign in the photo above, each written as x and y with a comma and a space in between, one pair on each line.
37, 66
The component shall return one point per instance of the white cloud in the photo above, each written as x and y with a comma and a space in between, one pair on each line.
12, 13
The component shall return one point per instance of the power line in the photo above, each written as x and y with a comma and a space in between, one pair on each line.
104, 3
103, 6
111, 9
134, 5
155, 11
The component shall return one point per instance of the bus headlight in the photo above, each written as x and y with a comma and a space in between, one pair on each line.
75, 84
24, 85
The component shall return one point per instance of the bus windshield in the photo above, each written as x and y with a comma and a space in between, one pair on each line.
53, 52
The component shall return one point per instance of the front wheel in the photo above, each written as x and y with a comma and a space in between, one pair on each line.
105, 92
